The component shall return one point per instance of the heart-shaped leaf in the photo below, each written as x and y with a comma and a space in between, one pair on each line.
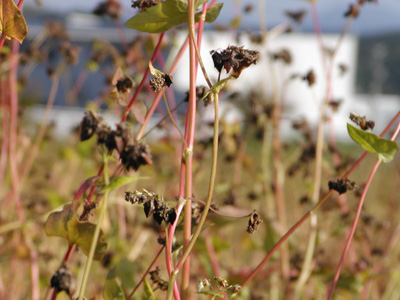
65, 224
112, 290
12, 23
168, 14
384, 149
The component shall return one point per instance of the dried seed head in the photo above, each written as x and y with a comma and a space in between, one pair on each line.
160, 81
200, 92
63, 280
155, 275
133, 156
124, 84
283, 55
341, 185
235, 58
296, 16
144, 4
89, 125
254, 222
310, 78
70, 52
353, 11
335, 104
110, 8
362, 121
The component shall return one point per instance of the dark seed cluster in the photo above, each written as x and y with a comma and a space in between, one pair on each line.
283, 55
156, 279
353, 11
235, 58
153, 205
296, 16
144, 4
124, 84
342, 185
310, 78
157, 83
110, 8
200, 92
132, 154
63, 280
70, 52
362, 121
254, 222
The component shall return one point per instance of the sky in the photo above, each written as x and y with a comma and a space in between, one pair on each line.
375, 18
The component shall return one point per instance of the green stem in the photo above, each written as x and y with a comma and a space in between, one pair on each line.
96, 231
172, 118
210, 188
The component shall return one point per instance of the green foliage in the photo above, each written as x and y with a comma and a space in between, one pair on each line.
385, 150
66, 225
112, 290
167, 14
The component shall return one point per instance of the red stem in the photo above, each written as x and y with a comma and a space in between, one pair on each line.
145, 273
353, 229
305, 217
146, 73
159, 94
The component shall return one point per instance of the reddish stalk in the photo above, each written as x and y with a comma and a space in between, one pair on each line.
146, 73
305, 217
5, 128
188, 154
159, 94
212, 255
145, 274
12, 147
353, 229
83, 75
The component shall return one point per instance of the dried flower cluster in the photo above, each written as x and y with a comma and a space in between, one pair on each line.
124, 84
110, 8
284, 55
310, 78
153, 205
144, 4
235, 58
133, 154
70, 52
63, 280
156, 279
341, 185
254, 222
296, 16
158, 82
362, 121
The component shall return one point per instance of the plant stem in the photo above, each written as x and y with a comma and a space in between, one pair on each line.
146, 73
191, 115
172, 118
353, 229
145, 273
210, 188
284, 238
96, 231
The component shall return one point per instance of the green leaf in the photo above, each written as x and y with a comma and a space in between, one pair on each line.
65, 224
112, 290
168, 14
12, 23
384, 149
118, 182
148, 290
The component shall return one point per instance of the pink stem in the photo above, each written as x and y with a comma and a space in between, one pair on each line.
146, 73
159, 94
353, 229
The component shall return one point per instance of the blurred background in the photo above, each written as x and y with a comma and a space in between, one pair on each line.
366, 78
